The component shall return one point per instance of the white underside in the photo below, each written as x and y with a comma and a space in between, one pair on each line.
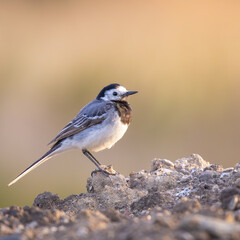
98, 137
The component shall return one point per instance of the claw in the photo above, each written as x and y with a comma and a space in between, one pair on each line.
105, 173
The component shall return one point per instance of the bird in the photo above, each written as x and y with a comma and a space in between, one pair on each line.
98, 126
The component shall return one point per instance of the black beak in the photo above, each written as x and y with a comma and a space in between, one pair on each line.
129, 93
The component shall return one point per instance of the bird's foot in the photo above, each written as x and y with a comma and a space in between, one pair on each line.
107, 171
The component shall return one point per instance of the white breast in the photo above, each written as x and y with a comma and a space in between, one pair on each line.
101, 136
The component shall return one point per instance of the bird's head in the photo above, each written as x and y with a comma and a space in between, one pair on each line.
114, 92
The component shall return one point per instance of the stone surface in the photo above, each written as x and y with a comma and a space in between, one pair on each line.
186, 199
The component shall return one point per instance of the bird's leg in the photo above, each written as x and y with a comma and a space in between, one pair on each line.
95, 162
93, 157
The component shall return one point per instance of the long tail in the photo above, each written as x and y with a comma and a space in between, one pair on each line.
41, 160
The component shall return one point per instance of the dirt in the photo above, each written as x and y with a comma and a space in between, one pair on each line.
185, 200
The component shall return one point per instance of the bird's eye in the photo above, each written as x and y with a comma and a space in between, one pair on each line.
115, 94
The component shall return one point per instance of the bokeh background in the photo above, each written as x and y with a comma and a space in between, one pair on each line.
55, 56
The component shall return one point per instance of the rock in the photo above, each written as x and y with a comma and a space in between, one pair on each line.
11, 237
162, 220
195, 161
114, 215
228, 169
213, 226
187, 205
150, 201
188, 199
237, 182
161, 163
236, 176
237, 215
47, 200
214, 167
4, 230
93, 220
208, 176
186, 179
237, 167
112, 192
230, 198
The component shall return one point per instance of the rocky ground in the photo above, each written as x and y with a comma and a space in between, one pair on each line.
185, 200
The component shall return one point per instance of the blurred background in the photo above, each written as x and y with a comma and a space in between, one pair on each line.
55, 56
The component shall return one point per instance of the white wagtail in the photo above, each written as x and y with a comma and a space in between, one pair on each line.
99, 125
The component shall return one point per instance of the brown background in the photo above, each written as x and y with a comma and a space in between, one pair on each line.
55, 56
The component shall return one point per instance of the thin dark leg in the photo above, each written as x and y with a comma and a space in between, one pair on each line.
93, 157
95, 162
86, 153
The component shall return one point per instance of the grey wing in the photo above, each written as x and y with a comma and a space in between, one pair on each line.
92, 114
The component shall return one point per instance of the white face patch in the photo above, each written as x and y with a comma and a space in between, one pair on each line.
114, 94
122, 89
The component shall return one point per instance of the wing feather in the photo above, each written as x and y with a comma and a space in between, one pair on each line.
92, 114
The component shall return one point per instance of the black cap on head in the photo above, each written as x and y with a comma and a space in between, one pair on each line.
111, 86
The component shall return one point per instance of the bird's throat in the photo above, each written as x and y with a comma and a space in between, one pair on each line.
124, 111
